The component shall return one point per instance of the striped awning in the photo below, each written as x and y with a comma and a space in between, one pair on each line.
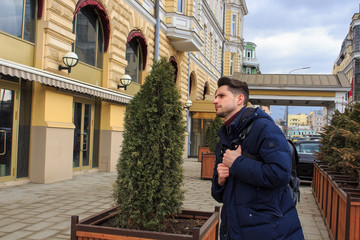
33, 74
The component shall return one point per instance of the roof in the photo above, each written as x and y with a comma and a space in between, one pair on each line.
317, 82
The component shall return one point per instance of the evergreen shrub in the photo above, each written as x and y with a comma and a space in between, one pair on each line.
212, 137
150, 173
340, 142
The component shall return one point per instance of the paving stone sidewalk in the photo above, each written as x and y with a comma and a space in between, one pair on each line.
42, 211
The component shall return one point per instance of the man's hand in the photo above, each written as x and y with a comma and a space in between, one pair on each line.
230, 156
223, 173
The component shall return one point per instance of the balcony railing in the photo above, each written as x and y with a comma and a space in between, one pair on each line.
183, 32
249, 61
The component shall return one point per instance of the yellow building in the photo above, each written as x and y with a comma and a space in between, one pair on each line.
56, 122
300, 119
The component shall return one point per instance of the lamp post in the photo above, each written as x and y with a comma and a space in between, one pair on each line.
296, 69
287, 107
188, 104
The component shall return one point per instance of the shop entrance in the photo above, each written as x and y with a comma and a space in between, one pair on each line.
83, 135
200, 122
8, 123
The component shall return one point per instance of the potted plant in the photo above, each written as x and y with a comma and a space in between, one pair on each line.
337, 173
212, 138
202, 150
148, 192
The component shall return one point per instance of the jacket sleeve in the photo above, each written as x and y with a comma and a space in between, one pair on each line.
217, 191
274, 168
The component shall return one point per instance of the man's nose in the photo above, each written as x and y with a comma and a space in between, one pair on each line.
215, 101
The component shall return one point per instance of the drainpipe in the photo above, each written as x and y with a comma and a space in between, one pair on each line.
223, 43
157, 30
188, 111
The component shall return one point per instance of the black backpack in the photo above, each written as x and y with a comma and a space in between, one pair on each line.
294, 183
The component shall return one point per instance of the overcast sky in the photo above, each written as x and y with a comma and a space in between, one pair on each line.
292, 34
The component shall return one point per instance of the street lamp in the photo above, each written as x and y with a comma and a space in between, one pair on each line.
298, 69
287, 107
188, 104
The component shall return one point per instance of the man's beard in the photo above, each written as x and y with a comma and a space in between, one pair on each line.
221, 114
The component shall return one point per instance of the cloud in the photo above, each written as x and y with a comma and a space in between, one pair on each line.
288, 50
295, 34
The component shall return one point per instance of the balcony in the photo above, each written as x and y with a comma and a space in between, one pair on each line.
250, 62
183, 32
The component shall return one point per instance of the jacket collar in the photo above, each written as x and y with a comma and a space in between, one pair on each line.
226, 131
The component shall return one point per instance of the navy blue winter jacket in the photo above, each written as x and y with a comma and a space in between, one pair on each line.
257, 204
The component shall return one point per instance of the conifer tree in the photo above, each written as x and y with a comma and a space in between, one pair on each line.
150, 173
212, 137
340, 142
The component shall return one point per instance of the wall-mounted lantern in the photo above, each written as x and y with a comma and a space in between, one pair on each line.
125, 81
70, 59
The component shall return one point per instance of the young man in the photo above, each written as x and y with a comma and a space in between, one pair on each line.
257, 202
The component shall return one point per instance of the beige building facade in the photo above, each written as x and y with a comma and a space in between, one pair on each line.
348, 60
58, 122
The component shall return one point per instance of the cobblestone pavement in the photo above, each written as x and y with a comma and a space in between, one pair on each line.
42, 211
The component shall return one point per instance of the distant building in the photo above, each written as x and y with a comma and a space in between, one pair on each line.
250, 63
297, 120
316, 120
348, 60
303, 124
300, 130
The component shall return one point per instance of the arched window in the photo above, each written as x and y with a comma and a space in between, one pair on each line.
206, 90
89, 42
173, 62
192, 90
18, 18
136, 53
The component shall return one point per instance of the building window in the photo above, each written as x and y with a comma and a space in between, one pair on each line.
233, 25
136, 54
134, 60
173, 62
232, 57
248, 53
248, 70
180, 6
89, 43
18, 18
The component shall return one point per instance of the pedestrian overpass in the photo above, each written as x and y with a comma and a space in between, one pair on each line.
321, 90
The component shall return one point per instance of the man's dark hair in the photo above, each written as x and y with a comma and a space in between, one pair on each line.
236, 87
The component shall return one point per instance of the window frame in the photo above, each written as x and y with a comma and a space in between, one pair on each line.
99, 30
232, 63
180, 4
233, 25
139, 62
23, 22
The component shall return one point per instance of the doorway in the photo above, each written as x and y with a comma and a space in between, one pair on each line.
8, 131
83, 135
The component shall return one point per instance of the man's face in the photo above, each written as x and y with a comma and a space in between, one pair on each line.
226, 104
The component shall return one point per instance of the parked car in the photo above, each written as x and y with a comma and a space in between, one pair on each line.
306, 149
298, 138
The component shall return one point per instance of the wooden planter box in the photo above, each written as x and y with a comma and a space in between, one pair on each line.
339, 203
89, 229
201, 151
207, 165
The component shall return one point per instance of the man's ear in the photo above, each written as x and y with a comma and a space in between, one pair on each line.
240, 99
